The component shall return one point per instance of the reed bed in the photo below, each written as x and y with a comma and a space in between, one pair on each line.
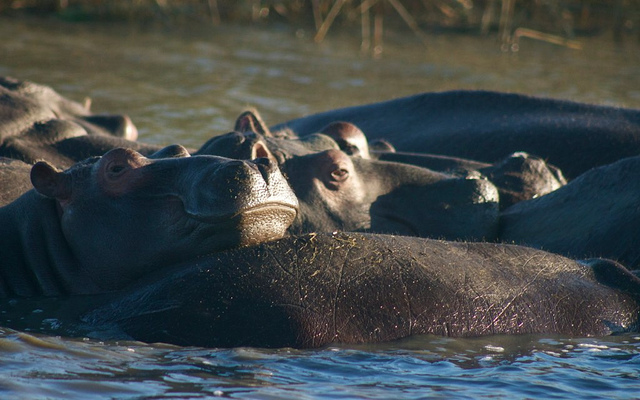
556, 21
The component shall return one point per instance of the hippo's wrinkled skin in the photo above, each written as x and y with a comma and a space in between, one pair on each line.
36, 123
108, 221
314, 290
488, 126
595, 215
341, 193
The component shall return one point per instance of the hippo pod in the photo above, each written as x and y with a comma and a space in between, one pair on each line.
318, 289
37, 123
110, 220
488, 126
338, 192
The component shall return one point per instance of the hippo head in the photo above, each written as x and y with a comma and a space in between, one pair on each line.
339, 192
33, 115
126, 209
522, 176
33, 105
252, 138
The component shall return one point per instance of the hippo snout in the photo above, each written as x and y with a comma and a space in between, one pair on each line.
233, 187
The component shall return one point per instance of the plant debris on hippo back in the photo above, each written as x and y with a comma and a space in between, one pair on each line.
109, 220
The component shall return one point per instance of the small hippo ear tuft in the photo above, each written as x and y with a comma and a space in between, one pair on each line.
50, 182
250, 121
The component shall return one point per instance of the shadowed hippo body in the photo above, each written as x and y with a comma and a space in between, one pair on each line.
109, 220
595, 215
318, 289
488, 126
37, 123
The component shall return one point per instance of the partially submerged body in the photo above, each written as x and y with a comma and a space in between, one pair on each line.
317, 289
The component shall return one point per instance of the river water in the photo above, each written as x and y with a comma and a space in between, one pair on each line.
186, 84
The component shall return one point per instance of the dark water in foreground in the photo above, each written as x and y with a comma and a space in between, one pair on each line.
185, 86
421, 367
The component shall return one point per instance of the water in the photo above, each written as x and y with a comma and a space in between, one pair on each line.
421, 367
185, 85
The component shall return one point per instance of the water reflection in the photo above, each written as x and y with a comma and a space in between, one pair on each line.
187, 85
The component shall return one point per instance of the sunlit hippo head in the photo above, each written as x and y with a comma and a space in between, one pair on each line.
126, 209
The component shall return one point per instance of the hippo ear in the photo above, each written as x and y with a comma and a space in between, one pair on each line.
250, 121
50, 182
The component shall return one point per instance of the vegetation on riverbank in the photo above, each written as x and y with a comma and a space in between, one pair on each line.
562, 19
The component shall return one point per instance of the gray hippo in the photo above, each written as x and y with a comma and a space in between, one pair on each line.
318, 289
107, 221
595, 215
341, 193
37, 123
488, 126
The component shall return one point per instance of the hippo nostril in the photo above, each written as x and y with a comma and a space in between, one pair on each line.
263, 161
265, 166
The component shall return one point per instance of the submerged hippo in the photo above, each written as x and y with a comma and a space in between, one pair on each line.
37, 123
318, 289
488, 126
595, 215
109, 220
338, 192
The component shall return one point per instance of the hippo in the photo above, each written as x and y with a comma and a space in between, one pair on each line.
337, 192
109, 220
317, 289
37, 123
595, 215
488, 126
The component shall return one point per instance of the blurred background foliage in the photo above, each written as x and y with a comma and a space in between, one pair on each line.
560, 18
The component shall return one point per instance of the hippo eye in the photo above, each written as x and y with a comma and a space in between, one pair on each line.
114, 170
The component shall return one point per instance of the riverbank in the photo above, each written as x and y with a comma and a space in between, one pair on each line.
573, 18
